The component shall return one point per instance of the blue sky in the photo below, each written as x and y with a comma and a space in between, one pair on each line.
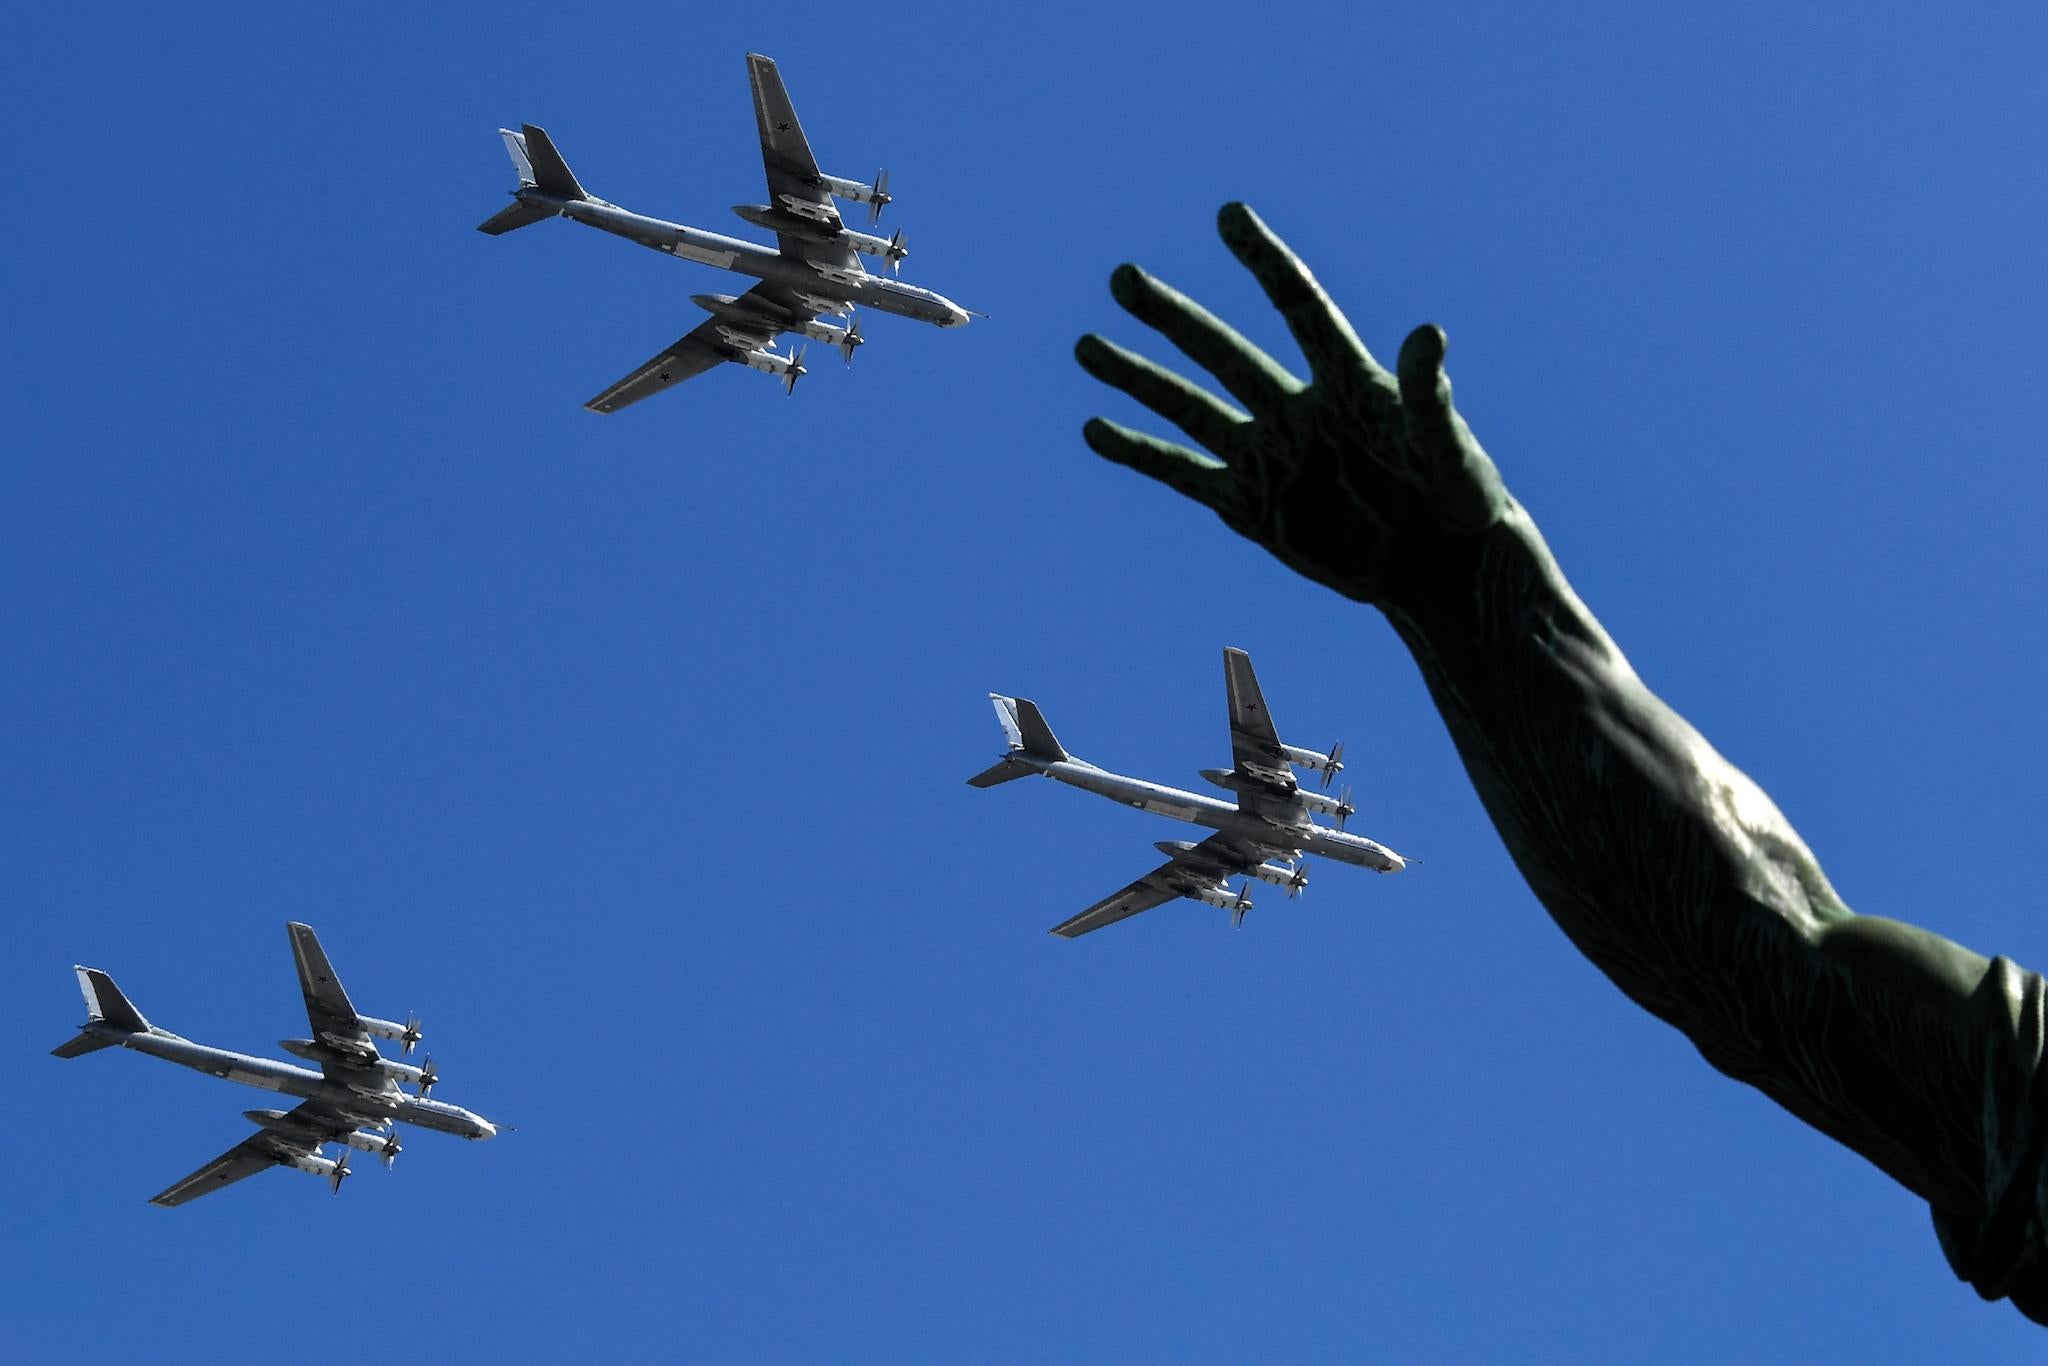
630, 751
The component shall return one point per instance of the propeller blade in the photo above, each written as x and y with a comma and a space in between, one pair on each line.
1336, 764
392, 1148
340, 1171
878, 196
1345, 810
429, 1078
896, 252
793, 372
851, 339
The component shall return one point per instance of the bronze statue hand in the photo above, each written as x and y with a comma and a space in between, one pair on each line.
1355, 479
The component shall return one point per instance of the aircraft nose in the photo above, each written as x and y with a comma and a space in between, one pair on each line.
485, 1129
959, 317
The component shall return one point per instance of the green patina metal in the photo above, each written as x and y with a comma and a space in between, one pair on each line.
1663, 863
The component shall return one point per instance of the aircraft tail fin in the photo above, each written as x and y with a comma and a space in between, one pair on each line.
1032, 735
519, 213
1032, 744
551, 174
104, 1005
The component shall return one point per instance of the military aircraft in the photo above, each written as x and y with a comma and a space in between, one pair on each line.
813, 272
352, 1100
1262, 835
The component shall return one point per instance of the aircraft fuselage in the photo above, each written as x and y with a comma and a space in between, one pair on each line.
1304, 835
268, 1074
854, 284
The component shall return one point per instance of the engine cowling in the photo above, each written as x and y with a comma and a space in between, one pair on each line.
385, 1146
333, 1170
1294, 879
1221, 897
400, 1071
1323, 802
407, 1034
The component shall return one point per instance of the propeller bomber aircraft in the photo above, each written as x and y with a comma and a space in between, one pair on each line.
352, 1100
1263, 834
814, 272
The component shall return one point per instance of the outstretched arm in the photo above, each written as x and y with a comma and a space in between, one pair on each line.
1666, 865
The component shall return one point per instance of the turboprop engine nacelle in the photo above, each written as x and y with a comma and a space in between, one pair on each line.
1283, 875
332, 1169
825, 332
407, 1034
1223, 898
385, 1146
1315, 760
769, 362
875, 194
1329, 806
401, 1071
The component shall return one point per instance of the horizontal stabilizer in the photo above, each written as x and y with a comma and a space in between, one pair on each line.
515, 215
85, 1043
551, 174
104, 1002
1002, 771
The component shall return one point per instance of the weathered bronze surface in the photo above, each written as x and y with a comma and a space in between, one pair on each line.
1666, 865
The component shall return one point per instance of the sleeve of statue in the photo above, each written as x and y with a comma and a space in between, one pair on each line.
1665, 865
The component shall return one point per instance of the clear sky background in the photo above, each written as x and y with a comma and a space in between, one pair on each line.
630, 751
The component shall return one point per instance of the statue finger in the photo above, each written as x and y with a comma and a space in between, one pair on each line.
1252, 377
1187, 406
1426, 390
1200, 477
1464, 485
1320, 328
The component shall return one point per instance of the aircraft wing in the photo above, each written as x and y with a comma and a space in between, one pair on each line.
1255, 745
708, 345
1151, 890
698, 350
1205, 865
327, 1005
794, 182
334, 1017
260, 1151
1254, 742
